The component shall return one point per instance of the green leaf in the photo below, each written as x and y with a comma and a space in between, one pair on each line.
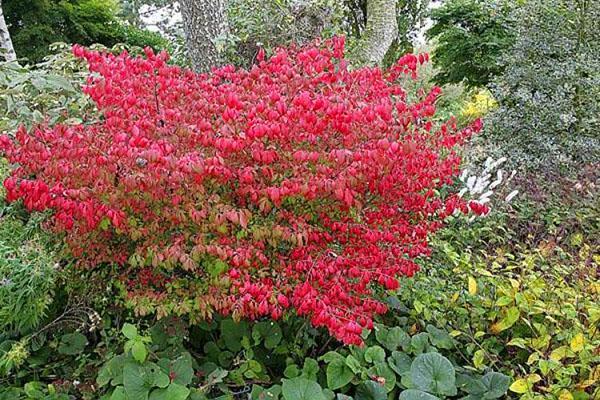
269, 331
433, 373
382, 370
338, 374
470, 384
136, 382
310, 369
111, 371
392, 338
419, 343
159, 378
302, 389
72, 343
370, 390
440, 338
260, 393
118, 394
374, 354
232, 333
181, 368
497, 385
511, 317
34, 390
130, 331
216, 376
331, 356
217, 268
413, 394
138, 351
291, 371
353, 364
174, 391
400, 362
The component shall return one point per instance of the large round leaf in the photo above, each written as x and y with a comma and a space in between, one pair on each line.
72, 343
496, 383
433, 373
371, 390
383, 371
180, 369
400, 362
269, 331
338, 374
391, 338
301, 389
174, 391
412, 394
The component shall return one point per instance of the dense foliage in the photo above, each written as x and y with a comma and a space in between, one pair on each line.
504, 306
549, 94
273, 23
471, 36
35, 24
309, 196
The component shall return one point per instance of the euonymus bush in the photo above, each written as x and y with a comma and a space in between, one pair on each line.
296, 185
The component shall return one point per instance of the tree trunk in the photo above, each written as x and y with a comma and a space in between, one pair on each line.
203, 22
380, 32
5, 42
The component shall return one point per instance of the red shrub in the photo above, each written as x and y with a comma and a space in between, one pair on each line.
299, 184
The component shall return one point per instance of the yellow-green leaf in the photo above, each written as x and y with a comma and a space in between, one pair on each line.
512, 316
565, 395
519, 386
479, 359
517, 342
504, 301
578, 342
472, 286
533, 358
560, 353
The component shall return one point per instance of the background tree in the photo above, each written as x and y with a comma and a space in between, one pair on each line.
36, 24
273, 23
380, 31
250, 25
410, 16
5, 41
549, 94
204, 21
471, 36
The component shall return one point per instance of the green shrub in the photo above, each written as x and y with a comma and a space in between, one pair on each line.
549, 93
531, 312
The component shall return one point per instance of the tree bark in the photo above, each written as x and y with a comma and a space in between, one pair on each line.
203, 22
380, 32
5, 41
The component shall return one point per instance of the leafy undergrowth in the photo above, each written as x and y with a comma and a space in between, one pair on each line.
505, 311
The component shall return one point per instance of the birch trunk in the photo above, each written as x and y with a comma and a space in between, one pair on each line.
5, 41
203, 22
380, 32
